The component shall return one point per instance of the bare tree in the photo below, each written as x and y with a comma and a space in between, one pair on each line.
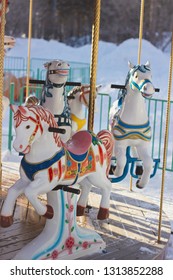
70, 21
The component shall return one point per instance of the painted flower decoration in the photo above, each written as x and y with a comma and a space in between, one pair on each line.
71, 207
69, 242
85, 244
54, 254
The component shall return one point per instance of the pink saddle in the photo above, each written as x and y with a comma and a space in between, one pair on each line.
79, 143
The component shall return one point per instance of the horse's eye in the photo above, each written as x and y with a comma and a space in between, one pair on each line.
59, 64
28, 126
136, 76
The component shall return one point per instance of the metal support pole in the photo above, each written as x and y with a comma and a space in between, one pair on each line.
139, 53
141, 30
29, 47
166, 139
2, 33
94, 59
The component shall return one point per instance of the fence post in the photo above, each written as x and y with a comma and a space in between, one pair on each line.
10, 136
21, 95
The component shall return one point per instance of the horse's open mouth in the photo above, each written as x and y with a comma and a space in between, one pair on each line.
27, 150
62, 72
147, 95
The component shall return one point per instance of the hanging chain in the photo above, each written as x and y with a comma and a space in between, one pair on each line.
166, 139
94, 59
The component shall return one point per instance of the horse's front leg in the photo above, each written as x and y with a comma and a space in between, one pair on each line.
120, 154
144, 154
8, 206
33, 190
85, 189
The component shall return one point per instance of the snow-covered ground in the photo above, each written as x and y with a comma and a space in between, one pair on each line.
112, 68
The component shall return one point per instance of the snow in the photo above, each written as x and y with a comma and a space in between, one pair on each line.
112, 68
112, 59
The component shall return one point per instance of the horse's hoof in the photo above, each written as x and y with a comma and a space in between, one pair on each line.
6, 221
139, 170
112, 169
103, 213
80, 210
138, 186
49, 213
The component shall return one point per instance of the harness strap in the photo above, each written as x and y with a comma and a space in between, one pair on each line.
54, 84
132, 126
80, 122
132, 131
82, 96
63, 120
38, 125
140, 86
31, 169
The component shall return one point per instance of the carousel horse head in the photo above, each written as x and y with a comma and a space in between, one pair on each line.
138, 84
82, 94
57, 71
30, 122
139, 79
78, 97
32, 100
9, 42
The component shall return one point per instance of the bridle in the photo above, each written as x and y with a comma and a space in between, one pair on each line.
139, 86
82, 96
37, 127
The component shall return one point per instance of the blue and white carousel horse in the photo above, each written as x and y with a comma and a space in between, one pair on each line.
54, 95
130, 124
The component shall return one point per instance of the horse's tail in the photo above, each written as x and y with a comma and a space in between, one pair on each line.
107, 139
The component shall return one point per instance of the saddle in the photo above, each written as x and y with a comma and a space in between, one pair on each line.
79, 143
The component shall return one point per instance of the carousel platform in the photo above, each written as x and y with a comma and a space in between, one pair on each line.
130, 233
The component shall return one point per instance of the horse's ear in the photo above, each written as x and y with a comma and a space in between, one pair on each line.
14, 108
130, 65
23, 110
147, 64
47, 64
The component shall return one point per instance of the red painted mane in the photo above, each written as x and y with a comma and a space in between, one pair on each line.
43, 114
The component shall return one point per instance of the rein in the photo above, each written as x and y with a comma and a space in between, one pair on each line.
82, 97
38, 126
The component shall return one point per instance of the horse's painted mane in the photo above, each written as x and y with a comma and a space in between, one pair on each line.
44, 115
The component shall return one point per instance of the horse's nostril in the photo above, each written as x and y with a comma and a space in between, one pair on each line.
145, 87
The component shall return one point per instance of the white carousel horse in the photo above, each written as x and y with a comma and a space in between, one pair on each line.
130, 125
78, 99
113, 114
84, 159
54, 97
47, 162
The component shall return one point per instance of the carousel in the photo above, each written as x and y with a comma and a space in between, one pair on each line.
64, 200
